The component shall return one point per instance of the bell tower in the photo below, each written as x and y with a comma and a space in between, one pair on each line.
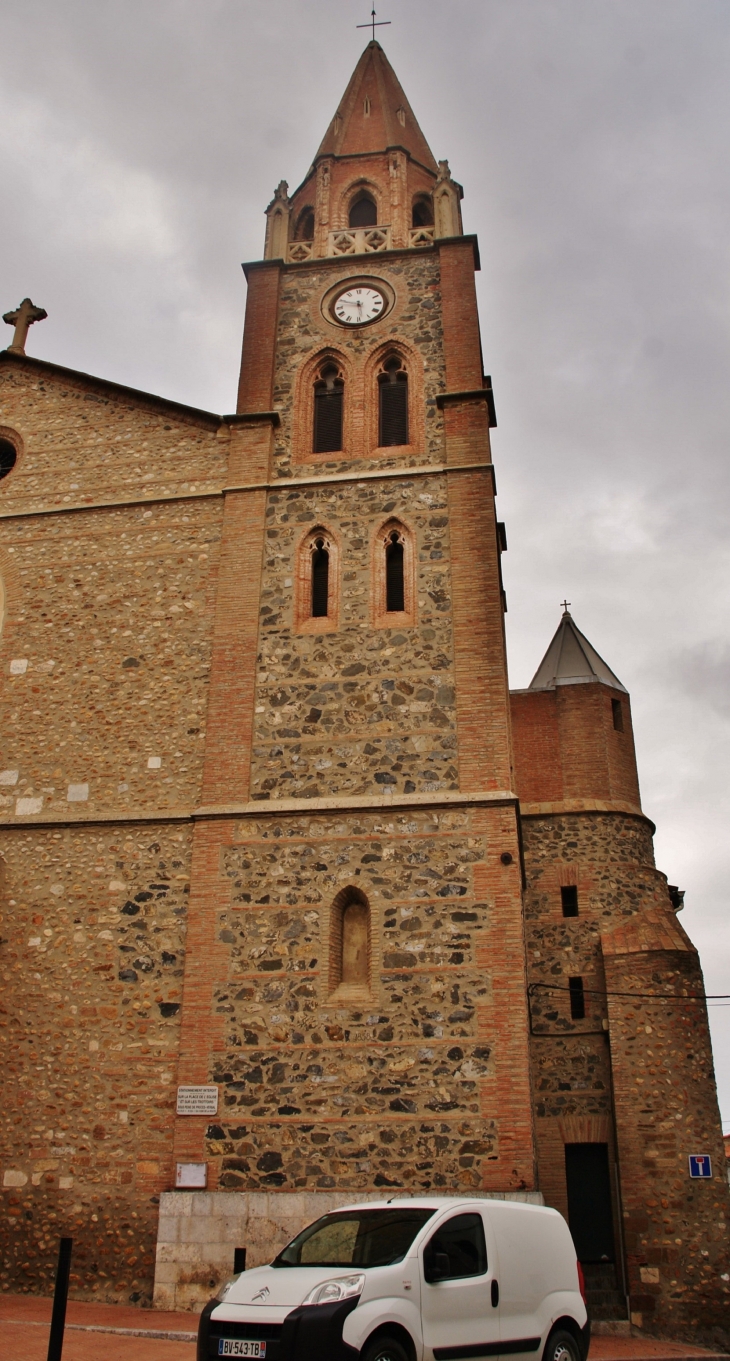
355, 972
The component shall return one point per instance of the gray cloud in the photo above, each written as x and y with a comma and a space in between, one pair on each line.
140, 143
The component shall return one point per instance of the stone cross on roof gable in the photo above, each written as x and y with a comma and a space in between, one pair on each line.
22, 318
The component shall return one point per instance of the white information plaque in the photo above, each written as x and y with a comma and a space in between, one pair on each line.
193, 1175
197, 1100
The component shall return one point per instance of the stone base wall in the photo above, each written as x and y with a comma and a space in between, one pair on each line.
199, 1230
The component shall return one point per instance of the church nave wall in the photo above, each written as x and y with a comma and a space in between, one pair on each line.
93, 935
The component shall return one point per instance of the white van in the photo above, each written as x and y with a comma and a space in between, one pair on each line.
409, 1280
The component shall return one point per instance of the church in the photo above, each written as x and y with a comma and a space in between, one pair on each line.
300, 903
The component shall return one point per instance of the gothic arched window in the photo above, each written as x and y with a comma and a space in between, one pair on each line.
320, 578
316, 604
393, 403
328, 407
394, 574
422, 214
350, 942
393, 577
363, 211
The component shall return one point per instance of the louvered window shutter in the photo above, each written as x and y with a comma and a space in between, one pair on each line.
320, 581
394, 586
394, 411
328, 420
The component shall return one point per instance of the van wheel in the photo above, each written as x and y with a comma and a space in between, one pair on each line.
561, 1346
388, 1349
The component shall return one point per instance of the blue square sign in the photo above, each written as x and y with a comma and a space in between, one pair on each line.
700, 1165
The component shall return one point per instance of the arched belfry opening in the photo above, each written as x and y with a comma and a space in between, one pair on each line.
350, 933
363, 211
422, 211
305, 225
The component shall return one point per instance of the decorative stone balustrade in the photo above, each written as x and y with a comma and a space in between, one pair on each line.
359, 241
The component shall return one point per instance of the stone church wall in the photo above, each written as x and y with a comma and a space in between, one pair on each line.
93, 948
104, 658
393, 1084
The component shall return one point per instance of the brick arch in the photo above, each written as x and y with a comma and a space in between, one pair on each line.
338, 981
304, 621
349, 193
413, 365
380, 617
302, 431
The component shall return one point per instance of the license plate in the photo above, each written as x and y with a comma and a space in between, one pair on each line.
238, 1346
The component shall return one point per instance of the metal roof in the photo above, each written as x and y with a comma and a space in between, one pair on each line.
570, 660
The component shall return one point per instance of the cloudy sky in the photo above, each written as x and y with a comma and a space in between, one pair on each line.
140, 141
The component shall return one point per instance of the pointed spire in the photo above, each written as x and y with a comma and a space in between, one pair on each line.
374, 114
570, 660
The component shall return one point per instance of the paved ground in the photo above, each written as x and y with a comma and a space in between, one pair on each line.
117, 1332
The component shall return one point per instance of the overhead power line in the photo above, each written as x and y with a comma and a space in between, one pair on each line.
640, 996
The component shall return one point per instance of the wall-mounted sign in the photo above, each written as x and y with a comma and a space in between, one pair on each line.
197, 1100
191, 1176
700, 1165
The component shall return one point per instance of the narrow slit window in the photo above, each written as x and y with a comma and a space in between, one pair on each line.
328, 406
618, 714
394, 574
393, 392
569, 899
577, 999
320, 579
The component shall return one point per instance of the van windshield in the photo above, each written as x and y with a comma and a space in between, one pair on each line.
355, 1238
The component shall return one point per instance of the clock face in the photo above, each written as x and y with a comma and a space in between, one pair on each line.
357, 305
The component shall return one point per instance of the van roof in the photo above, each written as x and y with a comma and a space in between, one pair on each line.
438, 1203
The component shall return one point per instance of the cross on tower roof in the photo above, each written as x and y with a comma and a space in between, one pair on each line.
566, 604
381, 23
21, 319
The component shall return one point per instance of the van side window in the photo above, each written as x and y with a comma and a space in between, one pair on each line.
456, 1250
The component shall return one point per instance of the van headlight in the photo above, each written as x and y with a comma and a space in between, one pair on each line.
225, 1290
329, 1292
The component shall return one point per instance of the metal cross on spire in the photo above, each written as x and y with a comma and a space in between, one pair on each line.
381, 23
566, 604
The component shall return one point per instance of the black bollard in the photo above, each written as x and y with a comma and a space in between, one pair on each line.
239, 1260
60, 1296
